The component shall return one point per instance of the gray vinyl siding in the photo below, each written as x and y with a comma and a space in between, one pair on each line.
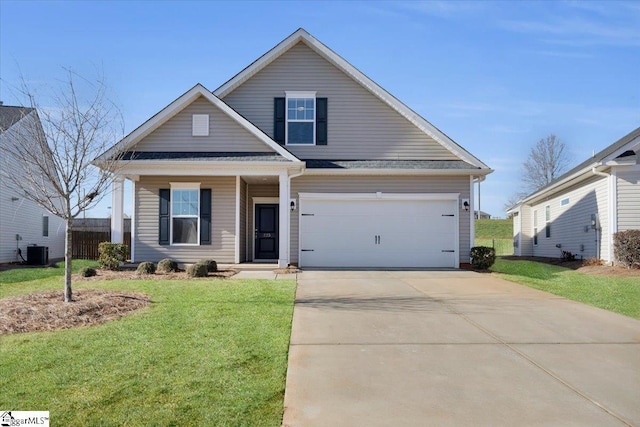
243, 221
628, 189
568, 222
386, 184
223, 217
526, 241
225, 134
259, 190
360, 125
23, 216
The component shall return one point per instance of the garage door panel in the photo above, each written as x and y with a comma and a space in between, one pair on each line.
378, 233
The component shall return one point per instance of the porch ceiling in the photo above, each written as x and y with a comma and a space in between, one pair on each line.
260, 179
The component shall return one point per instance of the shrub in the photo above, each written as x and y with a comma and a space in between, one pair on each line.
146, 268
212, 266
592, 261
626, 247
87, 272
111, 255
568, 256
482, 257
167, 265
197, 270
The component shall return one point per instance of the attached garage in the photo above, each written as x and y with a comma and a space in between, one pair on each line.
378, 230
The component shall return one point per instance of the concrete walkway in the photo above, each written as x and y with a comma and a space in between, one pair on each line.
455, 348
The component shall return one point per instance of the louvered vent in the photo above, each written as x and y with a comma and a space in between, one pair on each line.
200, 125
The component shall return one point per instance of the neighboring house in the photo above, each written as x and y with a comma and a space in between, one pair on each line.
22, 222
481, 215
298, 159
581, 210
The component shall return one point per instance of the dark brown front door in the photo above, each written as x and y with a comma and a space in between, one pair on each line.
266, 232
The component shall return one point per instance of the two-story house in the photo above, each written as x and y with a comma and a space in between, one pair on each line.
298, 159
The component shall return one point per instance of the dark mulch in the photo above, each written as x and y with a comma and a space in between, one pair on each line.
584, 266
47, 311
130, 274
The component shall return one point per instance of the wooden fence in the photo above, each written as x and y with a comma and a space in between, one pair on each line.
85, 243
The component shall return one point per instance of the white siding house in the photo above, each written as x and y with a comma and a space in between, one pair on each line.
23, 223
582, 210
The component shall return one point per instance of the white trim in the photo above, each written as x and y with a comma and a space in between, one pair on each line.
363, 171
117, 209
248, 232
380, 196
203, 168
613, 211
299, 95
472, 219
178, 105
132, 250
355, 74
259, 201
237, 236
284, 223
183, 186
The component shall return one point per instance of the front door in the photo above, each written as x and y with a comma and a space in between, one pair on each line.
266, 232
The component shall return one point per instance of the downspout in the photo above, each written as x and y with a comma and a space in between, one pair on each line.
609, 213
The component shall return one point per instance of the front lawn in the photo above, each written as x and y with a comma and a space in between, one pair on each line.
206, 352
618, 294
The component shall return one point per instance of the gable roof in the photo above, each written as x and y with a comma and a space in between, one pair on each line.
178, 105
617, 150
302, 35
10, 115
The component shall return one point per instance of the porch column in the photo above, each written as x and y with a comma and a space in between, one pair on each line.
283, 226
117, 210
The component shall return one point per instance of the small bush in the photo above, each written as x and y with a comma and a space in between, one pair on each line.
111, 255
626, 247
212, 266
167, 265
197, 270
482, 257
146, 268
87, 272
592, 261
568, 256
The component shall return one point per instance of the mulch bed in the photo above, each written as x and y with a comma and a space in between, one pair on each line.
47, 311
583, 266
132, 275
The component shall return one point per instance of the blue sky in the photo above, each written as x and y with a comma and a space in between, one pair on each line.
494, 76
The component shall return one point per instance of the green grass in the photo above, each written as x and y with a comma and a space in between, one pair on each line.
617, 294
502, 246
206, 352
16, 275
494, 228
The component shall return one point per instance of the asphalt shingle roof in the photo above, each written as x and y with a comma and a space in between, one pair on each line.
388, 164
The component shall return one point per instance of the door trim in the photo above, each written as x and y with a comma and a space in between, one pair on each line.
259, 201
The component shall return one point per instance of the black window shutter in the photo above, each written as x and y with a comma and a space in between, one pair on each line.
165, 199
278, 120
321, 121
205, 216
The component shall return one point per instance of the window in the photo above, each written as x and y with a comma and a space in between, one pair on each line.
564, 202
301, 118
45, 226
535, 227
185, 208
547, 218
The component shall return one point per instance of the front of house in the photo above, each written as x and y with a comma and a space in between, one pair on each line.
298, 159
579, 213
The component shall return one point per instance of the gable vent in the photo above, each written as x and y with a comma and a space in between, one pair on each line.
200, 125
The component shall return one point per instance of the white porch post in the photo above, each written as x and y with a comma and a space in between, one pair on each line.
117, 210
283, 226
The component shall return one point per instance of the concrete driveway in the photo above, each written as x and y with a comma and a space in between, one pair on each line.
455, 348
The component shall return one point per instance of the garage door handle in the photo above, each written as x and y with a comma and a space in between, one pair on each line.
307, 250
376, 239
448, 215
445, 250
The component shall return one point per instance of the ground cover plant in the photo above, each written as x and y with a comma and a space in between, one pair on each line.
618, 293
203, 352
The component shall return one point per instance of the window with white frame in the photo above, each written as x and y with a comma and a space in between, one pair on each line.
185, 214
301, 118
547, 219
535, 228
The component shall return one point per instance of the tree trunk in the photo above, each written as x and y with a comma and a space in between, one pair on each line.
67, 262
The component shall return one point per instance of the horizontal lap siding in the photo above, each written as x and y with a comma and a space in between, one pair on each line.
628, 186
389, 184
225, 134
360, 125
223, 195
568, 222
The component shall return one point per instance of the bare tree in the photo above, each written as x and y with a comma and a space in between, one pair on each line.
547, 161
513, 200
55, 146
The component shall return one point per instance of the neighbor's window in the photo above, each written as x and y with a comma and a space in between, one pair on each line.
535, 227
564, 202
185, 208
45, 226
301, 118
547, 218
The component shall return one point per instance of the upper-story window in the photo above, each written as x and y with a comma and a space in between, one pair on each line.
301, 118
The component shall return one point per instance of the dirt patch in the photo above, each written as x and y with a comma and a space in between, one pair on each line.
583, 266
47, 311
132, 275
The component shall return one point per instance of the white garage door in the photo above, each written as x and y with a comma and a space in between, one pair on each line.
375, 230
